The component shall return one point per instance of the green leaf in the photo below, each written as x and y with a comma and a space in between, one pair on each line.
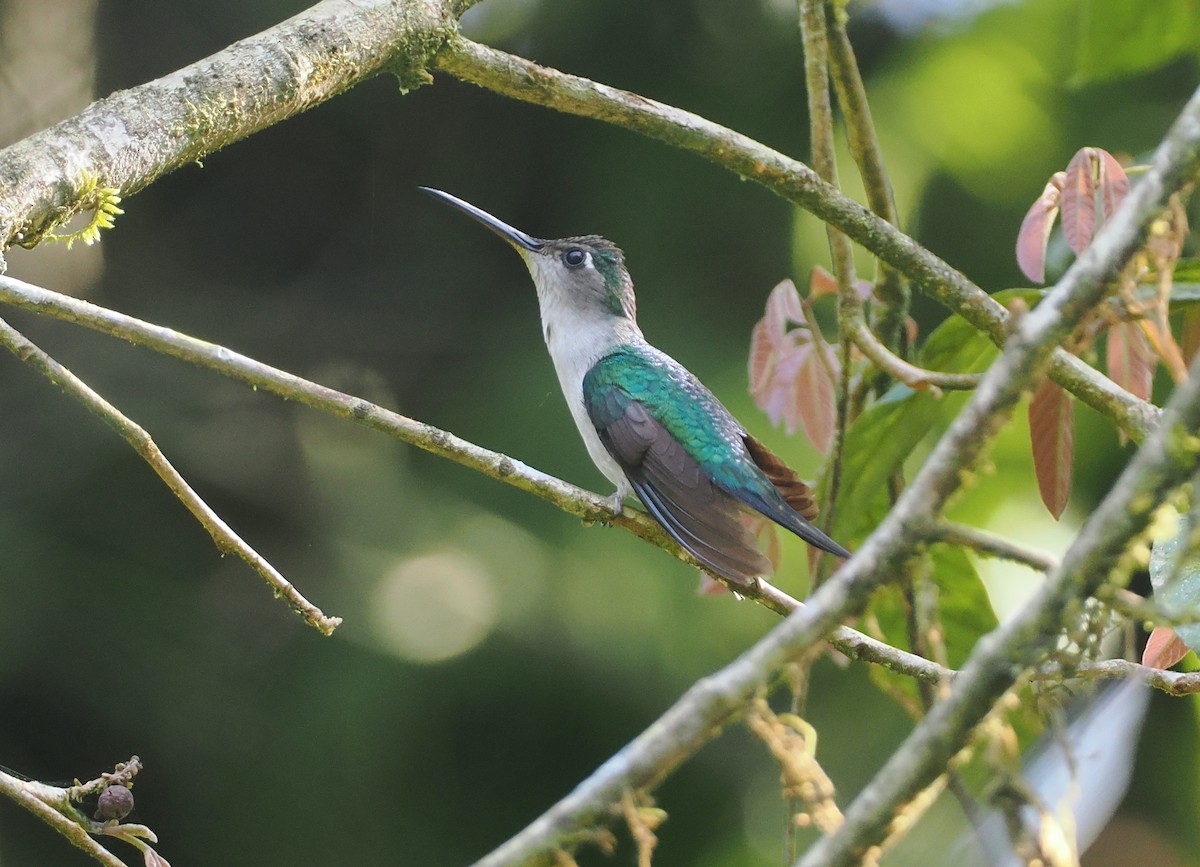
965, 611
885, 435
1128, 37
956, 346
1186, 271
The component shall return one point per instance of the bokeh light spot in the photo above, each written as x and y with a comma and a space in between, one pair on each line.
435, 607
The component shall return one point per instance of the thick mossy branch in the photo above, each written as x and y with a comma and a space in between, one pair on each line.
130, 138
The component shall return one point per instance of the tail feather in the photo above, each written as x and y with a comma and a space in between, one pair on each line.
797, 493
801, 505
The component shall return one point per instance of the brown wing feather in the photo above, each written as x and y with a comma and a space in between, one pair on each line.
794, 490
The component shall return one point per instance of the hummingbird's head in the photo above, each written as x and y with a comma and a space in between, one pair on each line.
583, 276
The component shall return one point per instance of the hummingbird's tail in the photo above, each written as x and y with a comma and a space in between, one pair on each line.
797, 508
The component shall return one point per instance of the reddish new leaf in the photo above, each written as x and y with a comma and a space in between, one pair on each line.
1163, 649
1079, 200
821, 282
762, 356
1114, 183
777, 397
783, 306
1035, 230
814, 399
776, 354
1052, 431
1131, 362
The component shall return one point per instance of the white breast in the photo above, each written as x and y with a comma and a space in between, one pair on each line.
575, 346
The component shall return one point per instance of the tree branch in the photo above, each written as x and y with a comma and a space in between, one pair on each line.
55, 806
222, 534
990, 544
131, 138
904, 371
1177, 683
793, 180
892, 294
20, 792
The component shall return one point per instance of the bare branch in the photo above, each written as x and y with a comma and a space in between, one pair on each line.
53, 805
990, 544
903, 371
891, 291
222, 534
841, 255
1171, 682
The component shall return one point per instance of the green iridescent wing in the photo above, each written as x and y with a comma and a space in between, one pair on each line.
687, 459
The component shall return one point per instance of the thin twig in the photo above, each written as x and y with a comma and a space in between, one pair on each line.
820, 126
53, 805
891, 293
990, 544
224, 536
522, 79
18, 791
1175, 683
904, 371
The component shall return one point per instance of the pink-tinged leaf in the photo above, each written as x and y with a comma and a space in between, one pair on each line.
762, 356
1114, 183
1035, 230
821, 282
783, 306
1052, 431
814, 400
1131, 362
1163, 649
777, 396
1079, 200
1190, 339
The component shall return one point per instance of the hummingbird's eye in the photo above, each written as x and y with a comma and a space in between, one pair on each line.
574, 257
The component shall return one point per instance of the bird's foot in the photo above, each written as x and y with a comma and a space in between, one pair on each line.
614, 505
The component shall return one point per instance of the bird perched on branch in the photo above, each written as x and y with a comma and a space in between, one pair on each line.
649, 425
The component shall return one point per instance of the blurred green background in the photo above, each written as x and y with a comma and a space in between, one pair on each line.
494, 651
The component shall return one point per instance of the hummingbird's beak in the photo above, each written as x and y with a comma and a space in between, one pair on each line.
501, 228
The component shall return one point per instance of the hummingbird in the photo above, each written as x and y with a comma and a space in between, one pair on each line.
649, 425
